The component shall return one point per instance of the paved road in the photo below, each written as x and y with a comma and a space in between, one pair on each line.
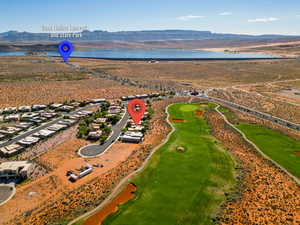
96, 149
44, 126
7, 191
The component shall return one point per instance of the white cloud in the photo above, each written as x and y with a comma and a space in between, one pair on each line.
263, 20
225, 14
189, 17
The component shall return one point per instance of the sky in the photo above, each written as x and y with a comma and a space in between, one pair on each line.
219, 16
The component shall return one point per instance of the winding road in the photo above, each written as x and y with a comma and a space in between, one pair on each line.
96, 149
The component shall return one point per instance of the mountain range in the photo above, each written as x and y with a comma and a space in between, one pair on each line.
146, 35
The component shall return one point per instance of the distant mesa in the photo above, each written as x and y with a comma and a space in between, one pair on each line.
35, 53
144, 35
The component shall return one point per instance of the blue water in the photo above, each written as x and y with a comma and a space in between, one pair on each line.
149, 53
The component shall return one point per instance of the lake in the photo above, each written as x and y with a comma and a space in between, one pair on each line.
119, 53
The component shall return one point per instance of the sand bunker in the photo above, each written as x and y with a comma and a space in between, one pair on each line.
123, 197
204, 104
174, 120
180, 148
199, 113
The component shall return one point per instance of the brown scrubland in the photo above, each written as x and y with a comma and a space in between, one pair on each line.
281, 109
265, 194
40, 80
198, 74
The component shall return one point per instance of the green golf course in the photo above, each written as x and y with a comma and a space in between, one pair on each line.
279, 147
181, 186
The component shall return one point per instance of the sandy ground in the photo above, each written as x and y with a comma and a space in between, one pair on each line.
28, 93
291, 94
40, 80
258, 48
197, 74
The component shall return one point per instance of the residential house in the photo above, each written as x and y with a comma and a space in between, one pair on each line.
16, 169
23, 125
98, 100
11, 150
57, 127
100, 120
12, 117
132, 137
95, 134
28, 141
24, 108
10, 131
38, 107
56, 106
45, 133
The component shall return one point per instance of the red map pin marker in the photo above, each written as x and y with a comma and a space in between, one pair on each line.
136, 109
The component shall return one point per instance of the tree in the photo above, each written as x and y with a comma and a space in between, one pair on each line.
114, 119
105, 106
106, 129
82, 104
102, 139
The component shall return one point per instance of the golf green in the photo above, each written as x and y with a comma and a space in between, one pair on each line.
188, 108
180, 187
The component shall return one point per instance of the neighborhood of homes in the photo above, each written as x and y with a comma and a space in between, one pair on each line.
23, 127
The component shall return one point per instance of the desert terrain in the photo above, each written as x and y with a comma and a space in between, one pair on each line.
197, 74
42, 80
269, 86
283, 49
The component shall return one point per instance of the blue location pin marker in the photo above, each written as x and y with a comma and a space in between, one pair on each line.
65, 49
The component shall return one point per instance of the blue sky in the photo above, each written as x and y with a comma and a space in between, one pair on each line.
222, 16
